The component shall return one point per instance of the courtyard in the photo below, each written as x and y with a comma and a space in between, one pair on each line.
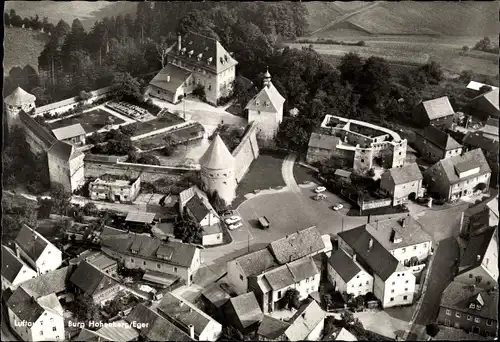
179, 135
91, 121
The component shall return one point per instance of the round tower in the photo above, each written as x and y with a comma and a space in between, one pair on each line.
19, 100
218, 171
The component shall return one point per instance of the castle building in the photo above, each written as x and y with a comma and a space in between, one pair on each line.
18, 101
195, 61
266, 109
218, 170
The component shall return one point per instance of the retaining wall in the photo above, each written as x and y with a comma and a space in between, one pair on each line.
375, 203
246, 152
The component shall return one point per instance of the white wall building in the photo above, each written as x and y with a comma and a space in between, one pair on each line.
347, 275
14, 270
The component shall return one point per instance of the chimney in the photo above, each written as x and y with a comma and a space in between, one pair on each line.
179, 43
168, 78
191, 331
354, 257
478, 257
370, 244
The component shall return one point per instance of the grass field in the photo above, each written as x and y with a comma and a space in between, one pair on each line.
22, 47
91, 121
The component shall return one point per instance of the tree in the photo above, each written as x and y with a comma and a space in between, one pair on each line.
188, 230
433, 72
90, 209
293, 134
217, 202
61, 199
84, 96
374, 82
85, 308
292, 298
465, 48
45, 206
351, 67
485, 89
41, 96
348, 320
466, 76
162, 48
432, 329
199, 91
148, 159
127, 87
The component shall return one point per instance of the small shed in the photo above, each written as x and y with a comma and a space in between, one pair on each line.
139, 220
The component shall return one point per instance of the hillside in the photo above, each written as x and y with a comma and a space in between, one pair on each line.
88, 12
472, 19
22, 47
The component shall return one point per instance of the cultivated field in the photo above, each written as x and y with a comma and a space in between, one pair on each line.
91, 121
22, 47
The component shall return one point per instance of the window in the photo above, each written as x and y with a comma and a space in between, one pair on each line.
54, 329
51, 318
352, 285
472, 306
367, 282
399, 274
425, 245
488, 322
406, 282
478, 307
477, 320
131, 260
241, 277
41, 322
362, 160
175, 269
457, 314
405, 297
406, 289
144, 263
448, 312
393, 283
470, 276
279, 294
392, 299
360, 284
469, 317
404, 250
41, 333
357, 276
392, 291
158, 265
414, 247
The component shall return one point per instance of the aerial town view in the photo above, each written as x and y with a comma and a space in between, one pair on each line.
250, 171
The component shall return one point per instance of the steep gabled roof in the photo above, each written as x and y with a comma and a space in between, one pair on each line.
489, 100
29, 309
458, 297
438, 108
255, 263
297, 245
402, 175
344, 265
272, 328
478, 140
31, 242
268, 99
477, 246
90, 279
19, 97
38, 130
170, 78
47, 283
217, 156
439, 138
305, 320
68, 131
11, 264
197, 208
247, 309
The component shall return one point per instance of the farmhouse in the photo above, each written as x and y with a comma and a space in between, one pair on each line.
307, 323
112, 188
361, 144
195, 62
490, 147
243, 312
347, 275
73, 134
266, 109
459, 176
486, 105
170, 258
14, 270
469, 308
402, 183
433, 144
437, 112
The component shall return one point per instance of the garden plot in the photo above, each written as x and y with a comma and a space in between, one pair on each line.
91, 121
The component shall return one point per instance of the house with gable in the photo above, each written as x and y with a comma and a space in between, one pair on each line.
196, 61
36, 318
169, 259
469, 308
184, 314
89, 280
347, 275
243, 312
490, 148
52, 282
266, 110
485, 105
272, 329
72, 134
434, 144
37, 251
200, 209
393, 283
458, 176
490, 129
402, 183
479, 262
307, 323
437, 112
14, 270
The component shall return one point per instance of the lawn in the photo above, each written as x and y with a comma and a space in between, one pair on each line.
91, 121
264, 173
22, 47
158, 123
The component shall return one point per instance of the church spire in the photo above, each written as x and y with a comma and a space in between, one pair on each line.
267, 78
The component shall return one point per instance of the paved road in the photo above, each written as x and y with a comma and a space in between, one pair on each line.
287, 173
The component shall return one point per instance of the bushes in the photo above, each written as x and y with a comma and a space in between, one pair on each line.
330, 41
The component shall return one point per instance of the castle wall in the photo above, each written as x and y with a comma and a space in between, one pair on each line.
59, 171
13, 113
245, 153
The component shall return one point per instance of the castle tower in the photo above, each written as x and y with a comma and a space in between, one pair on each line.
266, 109
17, 101
218, 170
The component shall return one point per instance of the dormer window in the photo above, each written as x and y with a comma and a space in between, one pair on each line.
472, 306
267, 104
478, 307
199, 56
190, 53
134, 251
190, 42
183, 50
209, 60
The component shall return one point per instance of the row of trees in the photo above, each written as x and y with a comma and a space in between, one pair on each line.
11, 18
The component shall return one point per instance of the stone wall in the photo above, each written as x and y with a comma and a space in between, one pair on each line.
148, 173
372, 204
246, 152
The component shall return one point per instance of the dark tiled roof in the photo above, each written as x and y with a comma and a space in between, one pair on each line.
11, 265
155, 327
177, 77
402, 175
272, 328
438, 108
216, 295
179, 310
490, 98
344, 265
247, 309
381, 262
297, 245
477, 245
209, 48
31, 242
197, 208
63, 150
478, 140
303, 269
147, 247
86, 335
279, 278
439, 138
47, 283
90, 279
24, 306
411, 233
255, 263
458, 296
38, 130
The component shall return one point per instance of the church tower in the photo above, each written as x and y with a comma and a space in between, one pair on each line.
266, 110
218, 171
19, 100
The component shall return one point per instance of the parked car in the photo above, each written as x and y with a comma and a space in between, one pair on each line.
235, 226
320, 189
264, 222
319, 197
232, 219
337, 206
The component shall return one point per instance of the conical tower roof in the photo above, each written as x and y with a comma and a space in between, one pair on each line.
217, 156
19, 97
